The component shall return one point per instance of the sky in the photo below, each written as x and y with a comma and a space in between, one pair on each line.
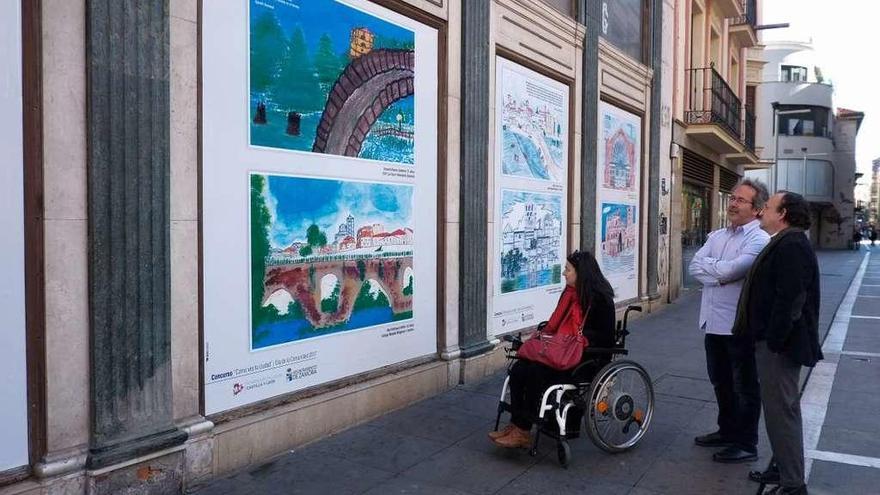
296, 202
845, 37
317, 17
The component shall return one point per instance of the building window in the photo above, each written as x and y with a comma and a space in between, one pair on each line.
813, 122
623, 25
567, 7
794, 73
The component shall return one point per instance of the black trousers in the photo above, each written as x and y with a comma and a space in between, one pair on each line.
732, 370
528, 381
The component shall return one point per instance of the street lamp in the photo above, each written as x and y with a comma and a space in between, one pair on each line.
776, 114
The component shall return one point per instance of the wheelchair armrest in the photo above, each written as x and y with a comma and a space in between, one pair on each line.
604, 351
541, 326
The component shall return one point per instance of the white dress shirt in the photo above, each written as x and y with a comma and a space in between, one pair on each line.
721, 266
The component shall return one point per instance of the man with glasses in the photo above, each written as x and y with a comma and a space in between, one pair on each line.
721, 266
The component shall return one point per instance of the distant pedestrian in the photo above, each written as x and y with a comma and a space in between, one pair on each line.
721, 266
873, 236
779, 308
857, 239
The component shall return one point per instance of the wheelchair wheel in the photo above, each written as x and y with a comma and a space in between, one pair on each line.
621, 404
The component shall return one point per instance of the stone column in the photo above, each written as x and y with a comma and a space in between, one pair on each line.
590, 15
653, 205
127, 64
473, 227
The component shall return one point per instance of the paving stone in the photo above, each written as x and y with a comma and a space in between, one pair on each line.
548, 477
470, 471
849, 441
402, 485
867, 307
832, 478
378, 448
433, 423
685, 387
864, 335
301, 473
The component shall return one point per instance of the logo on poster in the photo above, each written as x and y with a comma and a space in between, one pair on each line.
237, 388
296, 374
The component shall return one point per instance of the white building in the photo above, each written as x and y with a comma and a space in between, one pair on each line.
813, 153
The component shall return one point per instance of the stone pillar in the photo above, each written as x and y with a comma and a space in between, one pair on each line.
474, 228
128, 69
653, 205
590, 15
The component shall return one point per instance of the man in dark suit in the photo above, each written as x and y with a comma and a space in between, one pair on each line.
779, 306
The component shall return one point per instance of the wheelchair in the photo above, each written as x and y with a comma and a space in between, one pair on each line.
616, 402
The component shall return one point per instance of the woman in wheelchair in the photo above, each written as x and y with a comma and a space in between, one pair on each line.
586, 305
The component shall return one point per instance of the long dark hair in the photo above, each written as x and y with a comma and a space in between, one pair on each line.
591, 283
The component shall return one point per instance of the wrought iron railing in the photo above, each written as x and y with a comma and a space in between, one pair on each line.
749, 15
711, 101
749, 129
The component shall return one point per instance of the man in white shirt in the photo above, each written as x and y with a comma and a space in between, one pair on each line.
721, 266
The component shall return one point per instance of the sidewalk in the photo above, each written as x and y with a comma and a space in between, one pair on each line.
439, 446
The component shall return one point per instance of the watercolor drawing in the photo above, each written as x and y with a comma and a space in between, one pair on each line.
336, 259
326, 77
618, 150
618, 242
531, 238
533, 128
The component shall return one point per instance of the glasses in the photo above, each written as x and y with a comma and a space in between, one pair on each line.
738, 200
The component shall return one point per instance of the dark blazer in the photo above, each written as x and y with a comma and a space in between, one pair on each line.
783, 299
599, 327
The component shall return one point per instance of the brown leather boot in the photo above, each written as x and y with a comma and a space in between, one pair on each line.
516, 439
494, 435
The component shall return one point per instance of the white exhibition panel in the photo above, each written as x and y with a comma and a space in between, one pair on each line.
530, 196
238, 368
13, 366
618, 188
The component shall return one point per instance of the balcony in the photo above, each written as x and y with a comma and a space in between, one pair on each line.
712, 111
717, 118
747, 156
742, 27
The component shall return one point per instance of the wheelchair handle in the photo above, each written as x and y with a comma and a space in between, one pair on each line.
635, 308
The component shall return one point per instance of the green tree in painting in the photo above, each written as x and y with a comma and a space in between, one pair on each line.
366, 300
267, 45
297, 88
511, 263
392, 43
331, 303
328, 65
315, 237
260, 220
408, 290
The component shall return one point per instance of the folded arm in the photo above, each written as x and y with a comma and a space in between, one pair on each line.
727, 271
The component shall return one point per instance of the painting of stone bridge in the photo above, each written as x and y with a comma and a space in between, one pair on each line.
339, 258
326, 77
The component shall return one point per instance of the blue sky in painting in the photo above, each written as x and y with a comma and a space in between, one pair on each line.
551, 201
297, 202
317, 17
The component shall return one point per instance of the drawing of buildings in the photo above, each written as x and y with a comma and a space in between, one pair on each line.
620, 232
620, 155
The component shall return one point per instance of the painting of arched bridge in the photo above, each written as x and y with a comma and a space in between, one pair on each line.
302, 281
328, 78
367, 87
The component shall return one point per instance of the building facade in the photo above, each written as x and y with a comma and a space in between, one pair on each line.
874, 198
811, 144
713, 118
235, 228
